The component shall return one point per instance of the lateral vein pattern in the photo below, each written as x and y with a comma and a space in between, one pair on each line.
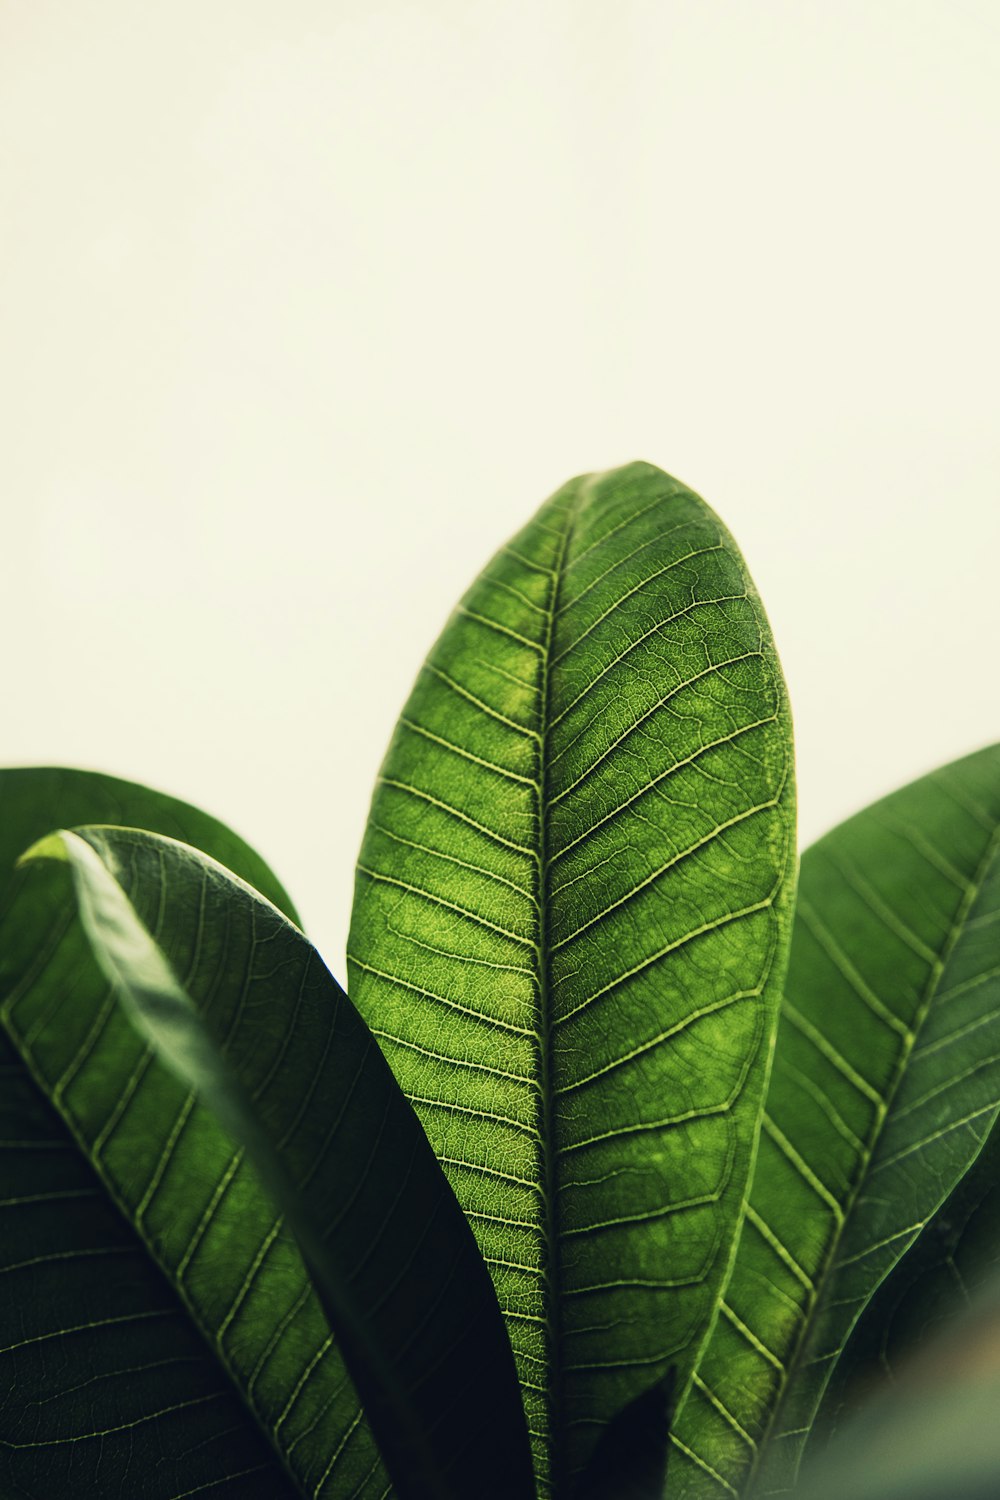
885, 1085
567, 937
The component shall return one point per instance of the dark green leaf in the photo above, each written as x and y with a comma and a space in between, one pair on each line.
956, 1253
886, 1082
36, 799
934, 1435
71, 1260
189, 933
569, 930
630, 1460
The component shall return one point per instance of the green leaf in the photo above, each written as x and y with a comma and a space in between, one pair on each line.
934, 1435
71, 1261
34, 800
392, 1258
886, 1082
956, 1254
569, 931
419, 1318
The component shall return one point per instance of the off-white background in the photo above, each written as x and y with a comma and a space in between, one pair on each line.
306, 305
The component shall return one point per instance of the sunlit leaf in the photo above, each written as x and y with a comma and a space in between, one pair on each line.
569, 930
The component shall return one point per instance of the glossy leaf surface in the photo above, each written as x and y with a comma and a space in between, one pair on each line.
569, 930
886, 1082
35, 800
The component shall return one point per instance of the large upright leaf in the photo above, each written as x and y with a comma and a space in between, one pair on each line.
569, 930
390, 1250
886, 1082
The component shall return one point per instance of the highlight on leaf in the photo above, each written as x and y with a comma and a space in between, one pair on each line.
574, 889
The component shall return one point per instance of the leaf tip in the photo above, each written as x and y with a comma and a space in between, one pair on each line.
52, 846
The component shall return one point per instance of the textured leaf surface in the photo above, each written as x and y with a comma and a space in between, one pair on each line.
345, 1134
569, 927
78, 1289
885, 1084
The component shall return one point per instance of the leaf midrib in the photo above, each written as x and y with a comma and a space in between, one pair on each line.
822, 1281
546, 1095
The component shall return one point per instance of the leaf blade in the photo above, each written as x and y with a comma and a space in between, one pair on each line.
932, 1434
36, 799
265, 1303
607, 688
348, 1270
63, 1234
941, 1273
879, 1101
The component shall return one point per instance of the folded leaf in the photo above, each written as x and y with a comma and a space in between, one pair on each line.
886, 1082
87, 1319
569, 931
196, 955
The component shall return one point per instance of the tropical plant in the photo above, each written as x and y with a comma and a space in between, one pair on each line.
590, 1173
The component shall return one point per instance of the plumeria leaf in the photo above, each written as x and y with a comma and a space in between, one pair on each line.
570, 926
886, 1083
